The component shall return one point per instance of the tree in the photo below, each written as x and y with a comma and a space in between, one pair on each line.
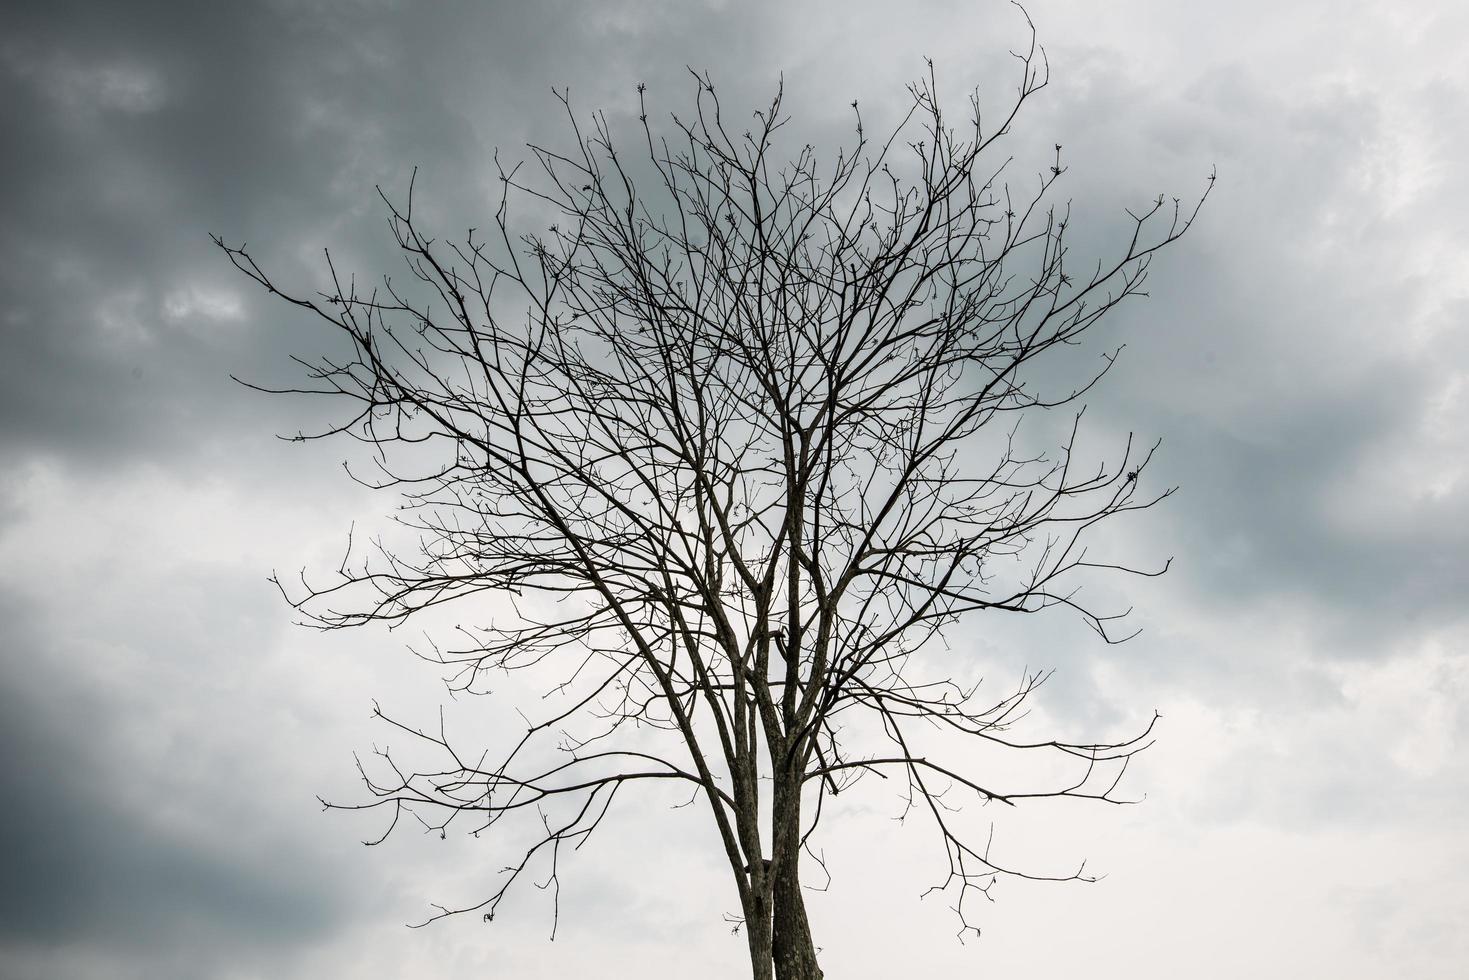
736, 439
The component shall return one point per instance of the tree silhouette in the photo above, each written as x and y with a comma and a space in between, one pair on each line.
731, 444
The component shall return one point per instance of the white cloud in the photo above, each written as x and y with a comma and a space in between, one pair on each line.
195, 302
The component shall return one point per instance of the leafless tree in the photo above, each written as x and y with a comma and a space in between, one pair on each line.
735, 439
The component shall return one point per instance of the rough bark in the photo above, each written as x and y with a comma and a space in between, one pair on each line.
758, 935
791, 944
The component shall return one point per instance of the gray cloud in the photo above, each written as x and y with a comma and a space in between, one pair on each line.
1303, 357
126, 852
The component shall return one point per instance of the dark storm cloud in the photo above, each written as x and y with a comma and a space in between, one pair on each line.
105, 846
134, 131
81, 870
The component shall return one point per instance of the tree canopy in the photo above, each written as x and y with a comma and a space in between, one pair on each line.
726, 448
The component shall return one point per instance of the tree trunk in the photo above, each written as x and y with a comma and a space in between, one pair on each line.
791, 946
757, 934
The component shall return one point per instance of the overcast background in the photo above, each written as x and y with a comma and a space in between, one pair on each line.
164, 730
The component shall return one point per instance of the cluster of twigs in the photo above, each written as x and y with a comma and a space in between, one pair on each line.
714, 435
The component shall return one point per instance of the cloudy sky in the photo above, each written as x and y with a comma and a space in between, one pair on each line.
164, 730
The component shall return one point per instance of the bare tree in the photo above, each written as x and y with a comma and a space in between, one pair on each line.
749, 423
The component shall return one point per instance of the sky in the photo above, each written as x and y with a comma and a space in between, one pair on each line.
165, 730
